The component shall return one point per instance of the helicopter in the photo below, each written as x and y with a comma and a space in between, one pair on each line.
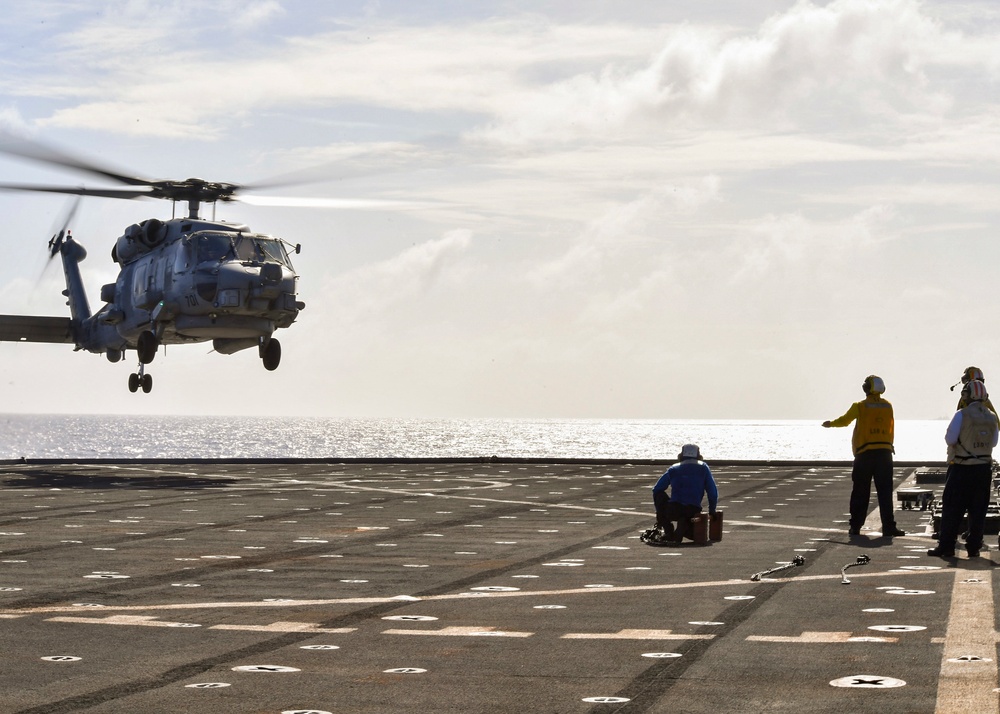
181, 281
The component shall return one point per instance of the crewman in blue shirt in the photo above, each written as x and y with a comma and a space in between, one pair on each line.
689, 481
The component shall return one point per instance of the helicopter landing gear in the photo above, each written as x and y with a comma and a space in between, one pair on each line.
140, 379
146, 347
270, 354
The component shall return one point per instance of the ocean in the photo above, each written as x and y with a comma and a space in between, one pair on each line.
111, 436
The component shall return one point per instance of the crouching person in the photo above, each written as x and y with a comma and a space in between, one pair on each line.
688, 482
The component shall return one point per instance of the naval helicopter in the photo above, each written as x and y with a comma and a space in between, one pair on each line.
181, 281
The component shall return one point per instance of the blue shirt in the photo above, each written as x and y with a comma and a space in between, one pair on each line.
688, 482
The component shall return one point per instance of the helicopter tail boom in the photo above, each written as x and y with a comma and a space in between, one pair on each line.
72, 253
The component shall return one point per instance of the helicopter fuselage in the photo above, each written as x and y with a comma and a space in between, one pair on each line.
186, 280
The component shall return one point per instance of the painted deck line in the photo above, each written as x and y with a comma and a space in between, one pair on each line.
401, 600
821, 638
460, 632
634, 635
968, 665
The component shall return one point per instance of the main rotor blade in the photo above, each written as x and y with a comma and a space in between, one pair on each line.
362, 204
79, 190
27, 149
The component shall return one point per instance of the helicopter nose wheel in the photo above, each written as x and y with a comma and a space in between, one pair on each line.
140, 379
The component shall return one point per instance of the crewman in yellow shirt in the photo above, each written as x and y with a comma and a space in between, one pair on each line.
873, 450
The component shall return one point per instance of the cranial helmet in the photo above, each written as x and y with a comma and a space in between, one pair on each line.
873, 385
972, 373
975, 391
689, 451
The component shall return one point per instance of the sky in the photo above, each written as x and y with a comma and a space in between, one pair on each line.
575, 209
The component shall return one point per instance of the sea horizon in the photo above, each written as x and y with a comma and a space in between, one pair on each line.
92, 436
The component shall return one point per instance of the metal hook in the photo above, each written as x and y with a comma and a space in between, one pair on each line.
796, 561
862, 560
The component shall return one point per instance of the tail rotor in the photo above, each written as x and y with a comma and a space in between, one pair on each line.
56, 241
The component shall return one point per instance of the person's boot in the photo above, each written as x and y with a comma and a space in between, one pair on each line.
941, 552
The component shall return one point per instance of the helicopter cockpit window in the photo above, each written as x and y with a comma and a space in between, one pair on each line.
274, 251
213, 247
257, 249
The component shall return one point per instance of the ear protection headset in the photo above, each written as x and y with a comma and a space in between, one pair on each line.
975, 391
873, 384
970, 373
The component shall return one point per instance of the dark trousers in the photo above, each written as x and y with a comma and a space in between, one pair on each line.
669, 511
966, 490
872, 466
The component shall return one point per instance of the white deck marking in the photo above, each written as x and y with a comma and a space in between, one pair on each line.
286, 627
460, 632
132, 620
821, 637
613, 589
634, 635
967, 686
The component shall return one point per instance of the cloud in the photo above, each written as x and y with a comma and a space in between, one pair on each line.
646, 220
248, 15
376, 294
514, 81
849, 59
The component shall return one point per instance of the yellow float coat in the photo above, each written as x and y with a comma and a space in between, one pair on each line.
875, 426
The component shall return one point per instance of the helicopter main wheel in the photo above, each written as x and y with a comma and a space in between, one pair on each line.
270, 354
146, 383
146, 347
133, 383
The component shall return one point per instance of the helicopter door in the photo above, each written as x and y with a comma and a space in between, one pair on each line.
139, 285
147, 285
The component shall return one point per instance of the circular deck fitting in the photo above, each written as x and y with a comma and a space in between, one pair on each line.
868, 681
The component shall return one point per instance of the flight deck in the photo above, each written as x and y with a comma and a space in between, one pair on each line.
474, 586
